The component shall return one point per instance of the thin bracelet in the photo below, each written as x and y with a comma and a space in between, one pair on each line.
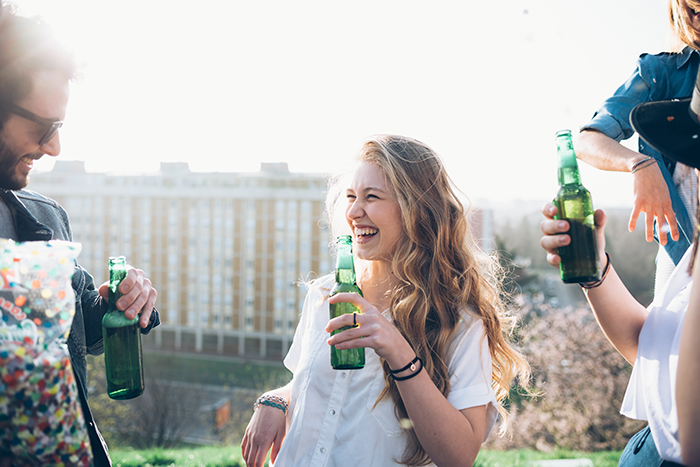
638, 163
593, 285
644, 166
404, 378
411, 365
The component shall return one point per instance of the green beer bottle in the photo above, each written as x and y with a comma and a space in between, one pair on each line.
122, 341
348, 359
579, 259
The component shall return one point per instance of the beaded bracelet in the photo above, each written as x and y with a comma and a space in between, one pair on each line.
412, 366
593, 285
271, 401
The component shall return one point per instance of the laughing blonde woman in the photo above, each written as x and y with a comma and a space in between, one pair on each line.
434, 328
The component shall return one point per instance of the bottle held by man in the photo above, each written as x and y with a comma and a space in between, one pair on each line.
122, 341
347, 359
579, 259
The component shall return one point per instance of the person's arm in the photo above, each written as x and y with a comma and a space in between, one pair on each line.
688, 379
266, 429
449, 436
619, 315
651, 195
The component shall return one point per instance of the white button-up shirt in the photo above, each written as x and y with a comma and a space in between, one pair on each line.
651, 392
334, 418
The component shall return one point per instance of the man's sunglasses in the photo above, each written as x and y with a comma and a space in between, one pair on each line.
52, 125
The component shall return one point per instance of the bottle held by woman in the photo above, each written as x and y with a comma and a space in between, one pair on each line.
348, 359
579, 259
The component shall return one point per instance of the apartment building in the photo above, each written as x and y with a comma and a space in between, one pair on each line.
228, 252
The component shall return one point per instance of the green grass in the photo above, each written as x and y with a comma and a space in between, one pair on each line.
186, 457
522, 457
230, 456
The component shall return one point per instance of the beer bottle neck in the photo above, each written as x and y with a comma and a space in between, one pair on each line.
345, 276
345, 268
568, 167
569, 175
117, 272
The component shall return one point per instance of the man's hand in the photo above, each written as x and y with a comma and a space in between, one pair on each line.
138, 295
652, 198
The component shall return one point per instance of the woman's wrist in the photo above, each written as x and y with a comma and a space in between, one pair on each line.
409, 371
403, 354
592, 285
405, 364
272, 400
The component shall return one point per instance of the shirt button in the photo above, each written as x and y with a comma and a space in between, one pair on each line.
323, 450
332, 412
343, 375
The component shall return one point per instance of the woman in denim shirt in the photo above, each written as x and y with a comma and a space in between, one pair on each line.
663, 190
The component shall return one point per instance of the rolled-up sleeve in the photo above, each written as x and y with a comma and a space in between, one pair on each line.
647, 81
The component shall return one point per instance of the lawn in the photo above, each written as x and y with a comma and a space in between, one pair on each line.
231, 457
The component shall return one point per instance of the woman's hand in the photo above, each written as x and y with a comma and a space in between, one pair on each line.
374, 331
554, 234
267, 428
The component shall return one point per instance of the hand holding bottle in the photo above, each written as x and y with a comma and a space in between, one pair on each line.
555, 234
351, 358
138, 295
374, 331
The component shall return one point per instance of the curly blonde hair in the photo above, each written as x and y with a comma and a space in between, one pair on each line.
441, 272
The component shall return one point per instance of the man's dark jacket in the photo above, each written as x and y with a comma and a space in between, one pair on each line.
38, 218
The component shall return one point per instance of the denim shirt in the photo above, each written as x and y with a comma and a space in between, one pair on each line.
38, 218
657, 77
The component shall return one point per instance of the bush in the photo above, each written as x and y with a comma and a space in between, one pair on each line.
582, 380
161, 417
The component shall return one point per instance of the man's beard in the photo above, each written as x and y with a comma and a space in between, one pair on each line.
9, 178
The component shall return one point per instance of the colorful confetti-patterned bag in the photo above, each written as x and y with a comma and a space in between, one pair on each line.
41, 422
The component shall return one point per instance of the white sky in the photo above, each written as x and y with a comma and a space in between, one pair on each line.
225, 85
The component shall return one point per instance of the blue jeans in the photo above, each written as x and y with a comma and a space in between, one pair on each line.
641, 452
